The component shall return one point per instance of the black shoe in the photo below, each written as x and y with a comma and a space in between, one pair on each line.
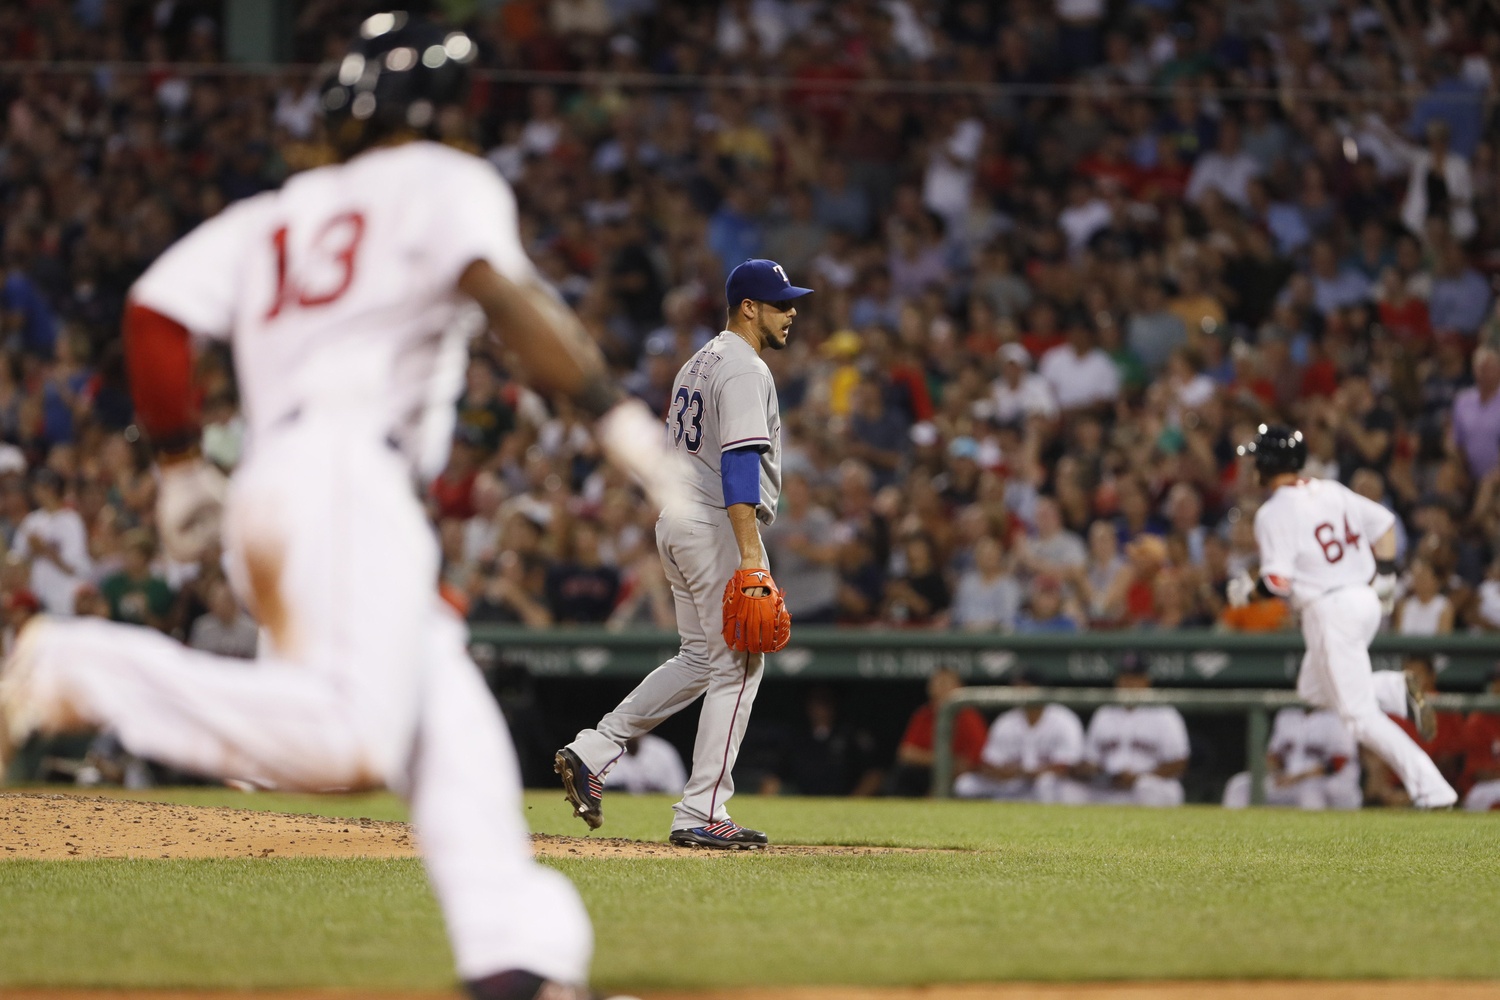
1418, 710
584, 788
723, 836
518, 985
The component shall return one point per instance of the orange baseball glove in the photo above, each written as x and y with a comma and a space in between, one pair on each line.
755, 615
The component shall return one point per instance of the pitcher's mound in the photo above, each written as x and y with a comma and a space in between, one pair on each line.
50, 827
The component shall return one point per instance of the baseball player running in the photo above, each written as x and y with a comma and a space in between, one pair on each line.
1332, 552
724, 419
344, 296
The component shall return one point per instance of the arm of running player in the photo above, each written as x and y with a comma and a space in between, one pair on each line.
544, 334
557, 354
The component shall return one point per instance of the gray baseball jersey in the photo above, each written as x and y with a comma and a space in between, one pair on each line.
724, 399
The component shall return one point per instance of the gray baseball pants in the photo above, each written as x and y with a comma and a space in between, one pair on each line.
699, 555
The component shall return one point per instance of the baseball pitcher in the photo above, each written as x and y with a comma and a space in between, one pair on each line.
1332, 553
344, 296
725, 421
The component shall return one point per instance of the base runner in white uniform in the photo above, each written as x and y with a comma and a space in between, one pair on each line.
1332, 553
1313, 764
725, 419
1029, 755
342, 295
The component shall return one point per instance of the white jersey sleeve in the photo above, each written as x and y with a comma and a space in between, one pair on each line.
1276, 539
477, 221
197, 280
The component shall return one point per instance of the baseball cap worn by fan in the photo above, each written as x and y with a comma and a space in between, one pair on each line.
760, 281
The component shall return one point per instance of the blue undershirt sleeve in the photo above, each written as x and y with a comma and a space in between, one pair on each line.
740, 470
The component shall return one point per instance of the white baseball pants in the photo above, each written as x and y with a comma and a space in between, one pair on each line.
1336, 674
365, 681
1332, 791
1148, 790
699, 555
1049, 786
1484, 796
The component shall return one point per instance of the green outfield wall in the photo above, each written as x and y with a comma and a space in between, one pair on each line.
1182, 658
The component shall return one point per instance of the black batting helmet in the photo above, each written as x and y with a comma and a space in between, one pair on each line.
1276, 449
396, 74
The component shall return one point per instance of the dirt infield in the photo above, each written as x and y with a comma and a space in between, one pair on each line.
51, 827
1415, 990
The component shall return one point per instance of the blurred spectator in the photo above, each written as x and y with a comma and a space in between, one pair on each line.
1425, 610
1481, 772
1019, 394
135, 594
988, 598
1080, 374
1029, 754
54, 541
1311, 763
1133, 755
225, 629
800, 545
920, 594
1048, 608
649, 765
1476, 416
912, 774
582, 589
825, 754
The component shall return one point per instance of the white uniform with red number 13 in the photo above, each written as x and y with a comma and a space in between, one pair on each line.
339, 296
1315, 539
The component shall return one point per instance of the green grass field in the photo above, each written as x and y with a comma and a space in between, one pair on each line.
1029, 893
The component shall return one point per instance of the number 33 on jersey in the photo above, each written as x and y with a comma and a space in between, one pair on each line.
726, 399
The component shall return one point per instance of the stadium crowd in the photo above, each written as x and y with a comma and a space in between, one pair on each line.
1067, 256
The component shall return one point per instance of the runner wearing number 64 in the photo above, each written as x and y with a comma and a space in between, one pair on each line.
1332, 553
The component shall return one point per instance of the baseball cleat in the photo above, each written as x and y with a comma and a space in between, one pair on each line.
725, 835
1417, 708
583, 788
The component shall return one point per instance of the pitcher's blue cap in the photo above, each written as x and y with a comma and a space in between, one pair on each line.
760, 281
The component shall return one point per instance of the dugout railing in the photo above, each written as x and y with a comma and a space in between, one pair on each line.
1256, 705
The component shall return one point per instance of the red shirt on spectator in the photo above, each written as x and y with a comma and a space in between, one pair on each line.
969, 733
1408, 322
1481, 743
1320, 378
454, 495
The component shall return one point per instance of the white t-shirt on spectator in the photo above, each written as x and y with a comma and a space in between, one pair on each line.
654, 767
1031, 397
53, 586
1135, 739
1228, 175
1079, 382
1081, 222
